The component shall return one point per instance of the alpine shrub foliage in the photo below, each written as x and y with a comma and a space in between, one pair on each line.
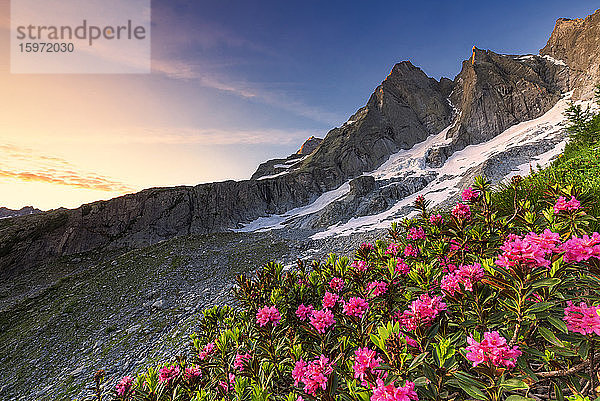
498, 299
471, 304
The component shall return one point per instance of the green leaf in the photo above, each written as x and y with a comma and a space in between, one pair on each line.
421, 381
472, 391
417, 361
559, 324
549, 282
514, 384
518, 398
548, 335
539, 307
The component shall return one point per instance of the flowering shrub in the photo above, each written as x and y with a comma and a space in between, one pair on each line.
471, 304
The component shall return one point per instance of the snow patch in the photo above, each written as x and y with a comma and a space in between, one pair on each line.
453, 170
274, 222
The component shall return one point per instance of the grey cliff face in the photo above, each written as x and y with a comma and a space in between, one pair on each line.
576, 43
493, 92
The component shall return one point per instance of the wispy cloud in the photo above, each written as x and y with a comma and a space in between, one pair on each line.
188, 48
184, 136
24, 164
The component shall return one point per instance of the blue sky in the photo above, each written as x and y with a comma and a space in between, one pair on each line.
234, 83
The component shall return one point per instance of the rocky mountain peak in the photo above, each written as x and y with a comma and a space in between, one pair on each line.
309, 145
575, 42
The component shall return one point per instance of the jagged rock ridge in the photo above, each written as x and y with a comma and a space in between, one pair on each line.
490, 94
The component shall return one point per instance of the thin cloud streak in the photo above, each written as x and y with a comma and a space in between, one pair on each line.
185, 136
189, 71
24, 164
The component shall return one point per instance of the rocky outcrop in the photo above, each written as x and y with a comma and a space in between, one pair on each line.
407, 107
24, 211
576, 43
309, 146
493, 92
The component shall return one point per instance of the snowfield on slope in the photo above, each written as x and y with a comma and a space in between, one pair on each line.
412, 163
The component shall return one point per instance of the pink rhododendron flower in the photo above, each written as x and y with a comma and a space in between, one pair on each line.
365, 362
206, 351
415, 233
225, 386
355, 307
411, 250
422, 312
393, 393
367, 246
192, 373
168, 374
461, 211
267, 315
401, 266
321, 320
493, 349
582, 319
329, 300
547, 241
562, 205
436, 219
304, 312
530, 251
579, 249
241, 360
469, 195
392, 249
377, 288
314, 375
360, 265
124, 386
467, 275
336, 284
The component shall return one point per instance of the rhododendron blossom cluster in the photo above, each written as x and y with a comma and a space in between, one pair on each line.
582, 319
469, 195
365, 362
436, 219
355, 307
168, 374
530, 251
422, 312
266, 315
562, 205
329, 299
192, 373
493, 349
465, 275
401, 266
241, 360
392, 249
377, 288
411, 250
580, 249
124, 386
336, 284
390, 392
314, 375
461, 211
415, 233
360, 265
303, 312
321, 320
208, 350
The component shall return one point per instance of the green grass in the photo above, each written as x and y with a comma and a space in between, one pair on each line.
579, 166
